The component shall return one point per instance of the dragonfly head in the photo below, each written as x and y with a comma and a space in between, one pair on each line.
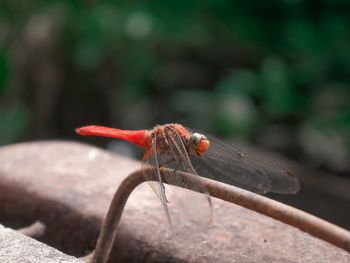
198, 144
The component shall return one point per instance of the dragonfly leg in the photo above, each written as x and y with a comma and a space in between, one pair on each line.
176, 168
163, 190
162, 194
174, 171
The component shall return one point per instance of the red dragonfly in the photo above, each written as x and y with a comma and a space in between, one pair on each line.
179, 148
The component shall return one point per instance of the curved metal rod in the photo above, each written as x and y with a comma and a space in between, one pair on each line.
286, 214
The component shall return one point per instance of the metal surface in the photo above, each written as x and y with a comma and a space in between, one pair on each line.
68, 186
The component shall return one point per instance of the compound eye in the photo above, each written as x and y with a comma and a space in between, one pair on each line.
198, 144
203, 146
195, 139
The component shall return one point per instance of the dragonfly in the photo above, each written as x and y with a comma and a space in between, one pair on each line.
179, 148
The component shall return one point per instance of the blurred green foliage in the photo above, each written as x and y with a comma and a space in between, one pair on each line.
275, 72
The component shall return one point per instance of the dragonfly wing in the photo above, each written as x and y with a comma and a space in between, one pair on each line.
174, 156
225, 163
150, 165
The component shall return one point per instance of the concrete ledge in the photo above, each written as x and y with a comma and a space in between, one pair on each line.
18, 248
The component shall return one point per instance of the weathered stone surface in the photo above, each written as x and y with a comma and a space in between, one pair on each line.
68, 186
17, 248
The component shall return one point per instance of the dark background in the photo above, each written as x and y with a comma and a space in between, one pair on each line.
272, 73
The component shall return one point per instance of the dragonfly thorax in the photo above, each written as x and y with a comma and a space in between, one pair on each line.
198, 144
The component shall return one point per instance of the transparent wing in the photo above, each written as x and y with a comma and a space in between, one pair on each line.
151, 172
225, 163
175, 156
171, 153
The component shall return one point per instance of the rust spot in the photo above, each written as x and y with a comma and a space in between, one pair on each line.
291, 174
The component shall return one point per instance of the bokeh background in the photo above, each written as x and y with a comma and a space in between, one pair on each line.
272, 73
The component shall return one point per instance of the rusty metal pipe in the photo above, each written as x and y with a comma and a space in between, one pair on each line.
286, 214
